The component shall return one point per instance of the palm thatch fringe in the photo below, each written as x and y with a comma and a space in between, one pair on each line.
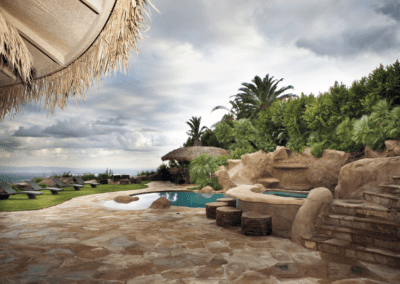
14, 50
113, 44
189, 153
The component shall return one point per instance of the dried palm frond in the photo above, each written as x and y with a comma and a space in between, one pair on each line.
113, 44
13, 51
189, 153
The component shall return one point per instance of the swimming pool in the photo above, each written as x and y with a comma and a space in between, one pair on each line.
176, 198
287, 194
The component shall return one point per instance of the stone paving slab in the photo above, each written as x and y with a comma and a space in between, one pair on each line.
95, 244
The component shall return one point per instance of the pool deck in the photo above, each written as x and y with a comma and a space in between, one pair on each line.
79, 241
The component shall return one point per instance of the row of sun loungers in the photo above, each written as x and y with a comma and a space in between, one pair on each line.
6, 190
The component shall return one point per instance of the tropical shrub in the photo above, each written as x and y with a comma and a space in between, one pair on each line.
382, 84
163, 173
295, 124
201, 168
239, 152
382, 124
213, 182
37, 180
222, 160
189, 142
67, 174
88, 176
43, 185
210, 139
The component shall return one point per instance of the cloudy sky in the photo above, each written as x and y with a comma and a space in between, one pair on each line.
194, 57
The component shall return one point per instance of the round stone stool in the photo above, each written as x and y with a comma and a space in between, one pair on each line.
211, 207
231, 201
228, 216
256, 224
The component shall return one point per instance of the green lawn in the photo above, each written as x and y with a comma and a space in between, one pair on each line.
20, 202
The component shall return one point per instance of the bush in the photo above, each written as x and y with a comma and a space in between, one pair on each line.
202, 167
146, 173
163, 173
43, 185
213, 182
88, 176
37, 180
103, 176
239, 152
66, 174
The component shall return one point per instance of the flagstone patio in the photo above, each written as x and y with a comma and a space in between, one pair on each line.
80, 241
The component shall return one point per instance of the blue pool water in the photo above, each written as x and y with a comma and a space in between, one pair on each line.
176, 198
287, 194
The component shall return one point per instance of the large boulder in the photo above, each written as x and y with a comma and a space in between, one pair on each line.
224, 180
392, 150
366, 175
207, 189
303, 171
234, 170
125, 199
161, 203
308, 213
256, 165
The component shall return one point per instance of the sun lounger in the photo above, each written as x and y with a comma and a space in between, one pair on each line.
37, 187
60, 184
6, 190
80, 181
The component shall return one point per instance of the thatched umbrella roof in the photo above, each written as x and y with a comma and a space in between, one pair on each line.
189, 153
71, 43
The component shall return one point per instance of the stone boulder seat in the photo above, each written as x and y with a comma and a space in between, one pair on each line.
6, 190
60, 184
80, 181
33, 185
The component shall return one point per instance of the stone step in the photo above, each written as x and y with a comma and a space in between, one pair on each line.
362, 208
389, 188
348, 249
396, 177
390, 228
361, 237
268, 182
385, 199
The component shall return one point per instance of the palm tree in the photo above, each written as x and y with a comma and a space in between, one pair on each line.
237, 111
261, 94
194, 124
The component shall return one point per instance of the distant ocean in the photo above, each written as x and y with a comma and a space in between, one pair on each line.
20, 177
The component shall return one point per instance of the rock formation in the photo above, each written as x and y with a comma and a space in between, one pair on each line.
207, 189
161, 203
125, 199
224, 180
303, 224
366, 175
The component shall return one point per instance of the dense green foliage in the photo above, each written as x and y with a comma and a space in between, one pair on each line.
163, 173
88, 176
106, 175
146, 173
210, 139
37, 180
201, 168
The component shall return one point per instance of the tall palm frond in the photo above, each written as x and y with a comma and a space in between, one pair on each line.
195, 130
261, 94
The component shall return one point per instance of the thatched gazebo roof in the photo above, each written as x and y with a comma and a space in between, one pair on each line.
54, 49
189, 153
